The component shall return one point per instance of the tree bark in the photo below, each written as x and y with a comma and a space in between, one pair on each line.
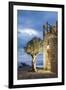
34, 63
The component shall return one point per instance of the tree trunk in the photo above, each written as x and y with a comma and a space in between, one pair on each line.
34, 63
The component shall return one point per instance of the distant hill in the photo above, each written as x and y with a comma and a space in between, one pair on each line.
24, 67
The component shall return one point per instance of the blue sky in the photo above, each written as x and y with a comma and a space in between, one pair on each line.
30, 24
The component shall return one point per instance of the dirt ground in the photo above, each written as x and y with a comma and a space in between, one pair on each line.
26, 73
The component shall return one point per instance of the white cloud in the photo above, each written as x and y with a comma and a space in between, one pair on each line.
29, 32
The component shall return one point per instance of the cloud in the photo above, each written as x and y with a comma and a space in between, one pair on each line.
29, 32
26, 34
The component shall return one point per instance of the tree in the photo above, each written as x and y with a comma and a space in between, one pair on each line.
33, 48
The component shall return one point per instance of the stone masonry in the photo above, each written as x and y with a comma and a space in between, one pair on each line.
50, 50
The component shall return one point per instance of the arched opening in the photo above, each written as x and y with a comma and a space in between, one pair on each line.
39, 61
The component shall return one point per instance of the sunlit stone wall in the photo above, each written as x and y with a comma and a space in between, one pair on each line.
50, 51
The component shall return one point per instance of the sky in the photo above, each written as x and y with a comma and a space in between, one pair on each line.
29, 25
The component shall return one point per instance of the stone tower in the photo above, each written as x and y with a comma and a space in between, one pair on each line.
50, 48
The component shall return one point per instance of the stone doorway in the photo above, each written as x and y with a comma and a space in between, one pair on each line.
39, 61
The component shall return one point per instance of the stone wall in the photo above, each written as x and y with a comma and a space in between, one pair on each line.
50, 51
